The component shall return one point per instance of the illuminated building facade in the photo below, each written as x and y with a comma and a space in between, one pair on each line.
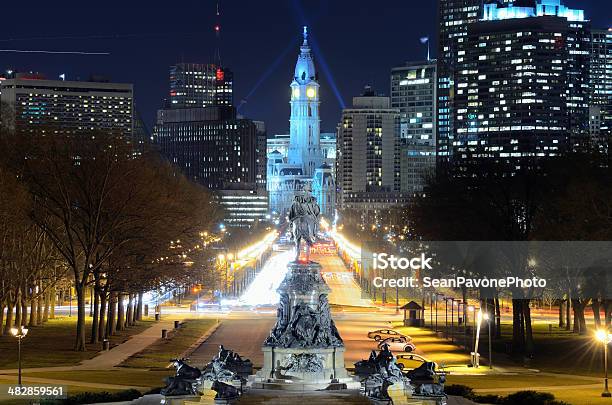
521, 85
327, 140
200, 85
210, 145
601, 87
414, 94
200, 133
368, 157
68, 106
454, 16
301, 160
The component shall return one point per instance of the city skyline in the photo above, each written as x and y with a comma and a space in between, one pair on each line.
260, 70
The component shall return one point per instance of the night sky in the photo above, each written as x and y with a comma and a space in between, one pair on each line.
358, 41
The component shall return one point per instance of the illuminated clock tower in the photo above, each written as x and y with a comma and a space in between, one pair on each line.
304, 146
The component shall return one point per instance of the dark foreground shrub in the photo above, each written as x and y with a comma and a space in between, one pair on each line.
531, 398
459, 390
96, 397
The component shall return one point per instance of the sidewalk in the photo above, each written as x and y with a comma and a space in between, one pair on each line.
130, 347
108, 359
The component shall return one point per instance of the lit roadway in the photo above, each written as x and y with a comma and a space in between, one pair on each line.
245, 329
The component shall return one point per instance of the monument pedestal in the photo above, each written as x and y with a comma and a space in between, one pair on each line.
304, 350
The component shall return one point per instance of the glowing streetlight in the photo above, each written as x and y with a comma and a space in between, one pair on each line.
605, 338
19, 332
487, 318
475, 355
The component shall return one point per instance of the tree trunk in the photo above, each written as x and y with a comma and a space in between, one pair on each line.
112, 314
33, 309
517, 326
9, 316
608, 309
96, 313
46, 305
53, 296
579, 320
139, 307
561, 320
497, 317
568, 314
529, 345
102, 320
39, 304
596, 315
79, 344
129, 321
24, 308
18, 309
2, 307
120, 312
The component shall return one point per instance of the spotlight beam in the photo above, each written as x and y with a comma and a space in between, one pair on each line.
54, 52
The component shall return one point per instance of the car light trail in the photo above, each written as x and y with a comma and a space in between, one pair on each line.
262, 290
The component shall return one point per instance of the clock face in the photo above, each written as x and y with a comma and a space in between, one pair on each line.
296, 93
310, 92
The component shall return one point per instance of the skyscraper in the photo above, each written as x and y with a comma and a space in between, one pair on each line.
413, 93
200, 132
304, 161
521, 84
368, 159
67, 106
210, 145
601, 86
453, 19
200, 85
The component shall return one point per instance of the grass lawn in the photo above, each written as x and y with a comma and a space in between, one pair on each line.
434, 348
52, 344
574, 396
124, 376
158, 354
557, 351
521, 381
590, 396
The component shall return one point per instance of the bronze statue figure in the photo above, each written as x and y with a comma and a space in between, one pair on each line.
304, 220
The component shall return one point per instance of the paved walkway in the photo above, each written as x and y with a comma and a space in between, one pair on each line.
130, 347
109, 359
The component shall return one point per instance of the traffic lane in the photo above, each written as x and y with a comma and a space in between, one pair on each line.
344, 289
354, 328
244, 336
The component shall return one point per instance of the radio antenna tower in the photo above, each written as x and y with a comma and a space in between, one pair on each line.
217, 58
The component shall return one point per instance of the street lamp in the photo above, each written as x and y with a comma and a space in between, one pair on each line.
475, 355
488, 318
19, 332
471, 308
604, 337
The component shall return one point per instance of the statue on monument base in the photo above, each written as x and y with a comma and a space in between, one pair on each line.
304, 350
185, 380
304, 221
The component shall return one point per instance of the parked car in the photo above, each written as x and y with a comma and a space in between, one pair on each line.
383, 334
397, 344
410, 361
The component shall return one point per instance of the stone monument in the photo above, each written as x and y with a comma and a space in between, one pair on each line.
304, 350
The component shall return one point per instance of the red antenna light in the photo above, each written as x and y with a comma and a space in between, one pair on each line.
220, 74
